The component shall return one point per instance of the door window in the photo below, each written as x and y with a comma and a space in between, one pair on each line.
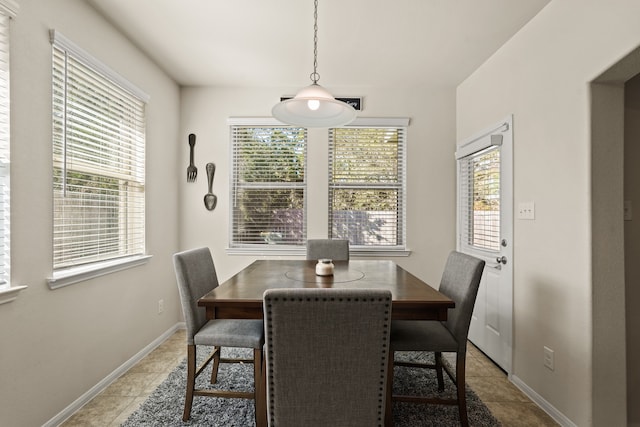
480, 191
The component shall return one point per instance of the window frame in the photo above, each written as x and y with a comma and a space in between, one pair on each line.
8, 292
243, 248
101, 265
317, 190
480, 228
401, 126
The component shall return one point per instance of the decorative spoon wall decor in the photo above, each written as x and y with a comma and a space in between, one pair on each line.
210, 199
192, 170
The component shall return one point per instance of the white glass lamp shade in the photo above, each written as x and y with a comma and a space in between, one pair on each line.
313, 106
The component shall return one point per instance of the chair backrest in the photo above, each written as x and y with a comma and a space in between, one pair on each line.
460, 282
335, 249
196, 275
327, 355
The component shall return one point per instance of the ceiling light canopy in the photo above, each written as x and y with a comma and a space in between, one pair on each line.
314, 106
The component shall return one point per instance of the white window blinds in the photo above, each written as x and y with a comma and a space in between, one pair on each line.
4, 150
367, 185
480, 190
98, 161
269, 186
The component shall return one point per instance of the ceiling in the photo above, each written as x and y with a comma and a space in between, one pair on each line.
361, 43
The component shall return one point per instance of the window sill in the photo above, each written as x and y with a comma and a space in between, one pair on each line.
379, 252
73, 275
274, 251
9, 294
268, 250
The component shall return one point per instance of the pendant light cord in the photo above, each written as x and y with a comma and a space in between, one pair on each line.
313, 106
315, 76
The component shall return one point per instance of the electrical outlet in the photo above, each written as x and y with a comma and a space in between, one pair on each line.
548, 358
160, 306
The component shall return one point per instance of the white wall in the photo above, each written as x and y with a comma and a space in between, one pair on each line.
431, 168
542, 76
56, 345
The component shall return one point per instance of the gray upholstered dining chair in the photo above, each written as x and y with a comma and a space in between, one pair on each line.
196, 275
460, 281
326, 356
335, 249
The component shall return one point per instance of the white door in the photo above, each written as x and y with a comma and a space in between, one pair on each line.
485, 230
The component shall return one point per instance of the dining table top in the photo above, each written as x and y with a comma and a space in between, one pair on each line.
241, 295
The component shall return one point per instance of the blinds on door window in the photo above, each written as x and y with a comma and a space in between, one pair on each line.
4, 150
367, 185
480, 186
268, 186
98, 161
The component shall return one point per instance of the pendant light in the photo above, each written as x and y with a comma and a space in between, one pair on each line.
314, 106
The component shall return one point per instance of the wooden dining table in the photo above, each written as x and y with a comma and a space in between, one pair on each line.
240, 297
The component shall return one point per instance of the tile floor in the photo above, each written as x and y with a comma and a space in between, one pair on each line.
505, 401
111, 407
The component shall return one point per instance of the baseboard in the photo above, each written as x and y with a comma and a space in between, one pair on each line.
67, 412
558, 416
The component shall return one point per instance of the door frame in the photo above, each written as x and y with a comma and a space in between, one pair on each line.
473, 144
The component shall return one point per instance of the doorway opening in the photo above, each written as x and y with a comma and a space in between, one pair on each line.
614, 180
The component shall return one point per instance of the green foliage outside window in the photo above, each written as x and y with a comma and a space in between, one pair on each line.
486, 178
269, 173
365, 186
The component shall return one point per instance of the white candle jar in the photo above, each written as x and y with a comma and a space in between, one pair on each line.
324, 267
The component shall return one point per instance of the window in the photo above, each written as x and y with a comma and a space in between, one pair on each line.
5, 264
480, 190
98, 162
367, 185
269, 186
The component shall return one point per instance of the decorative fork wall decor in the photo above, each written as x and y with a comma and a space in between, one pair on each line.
192, 170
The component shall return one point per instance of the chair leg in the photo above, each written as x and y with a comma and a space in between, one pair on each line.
216, 364
388, 410
260, 401
461, 388
191, 381
438, 358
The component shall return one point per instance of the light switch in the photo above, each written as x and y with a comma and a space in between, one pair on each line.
526, 210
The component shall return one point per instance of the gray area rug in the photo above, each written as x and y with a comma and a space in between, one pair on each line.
165, 405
